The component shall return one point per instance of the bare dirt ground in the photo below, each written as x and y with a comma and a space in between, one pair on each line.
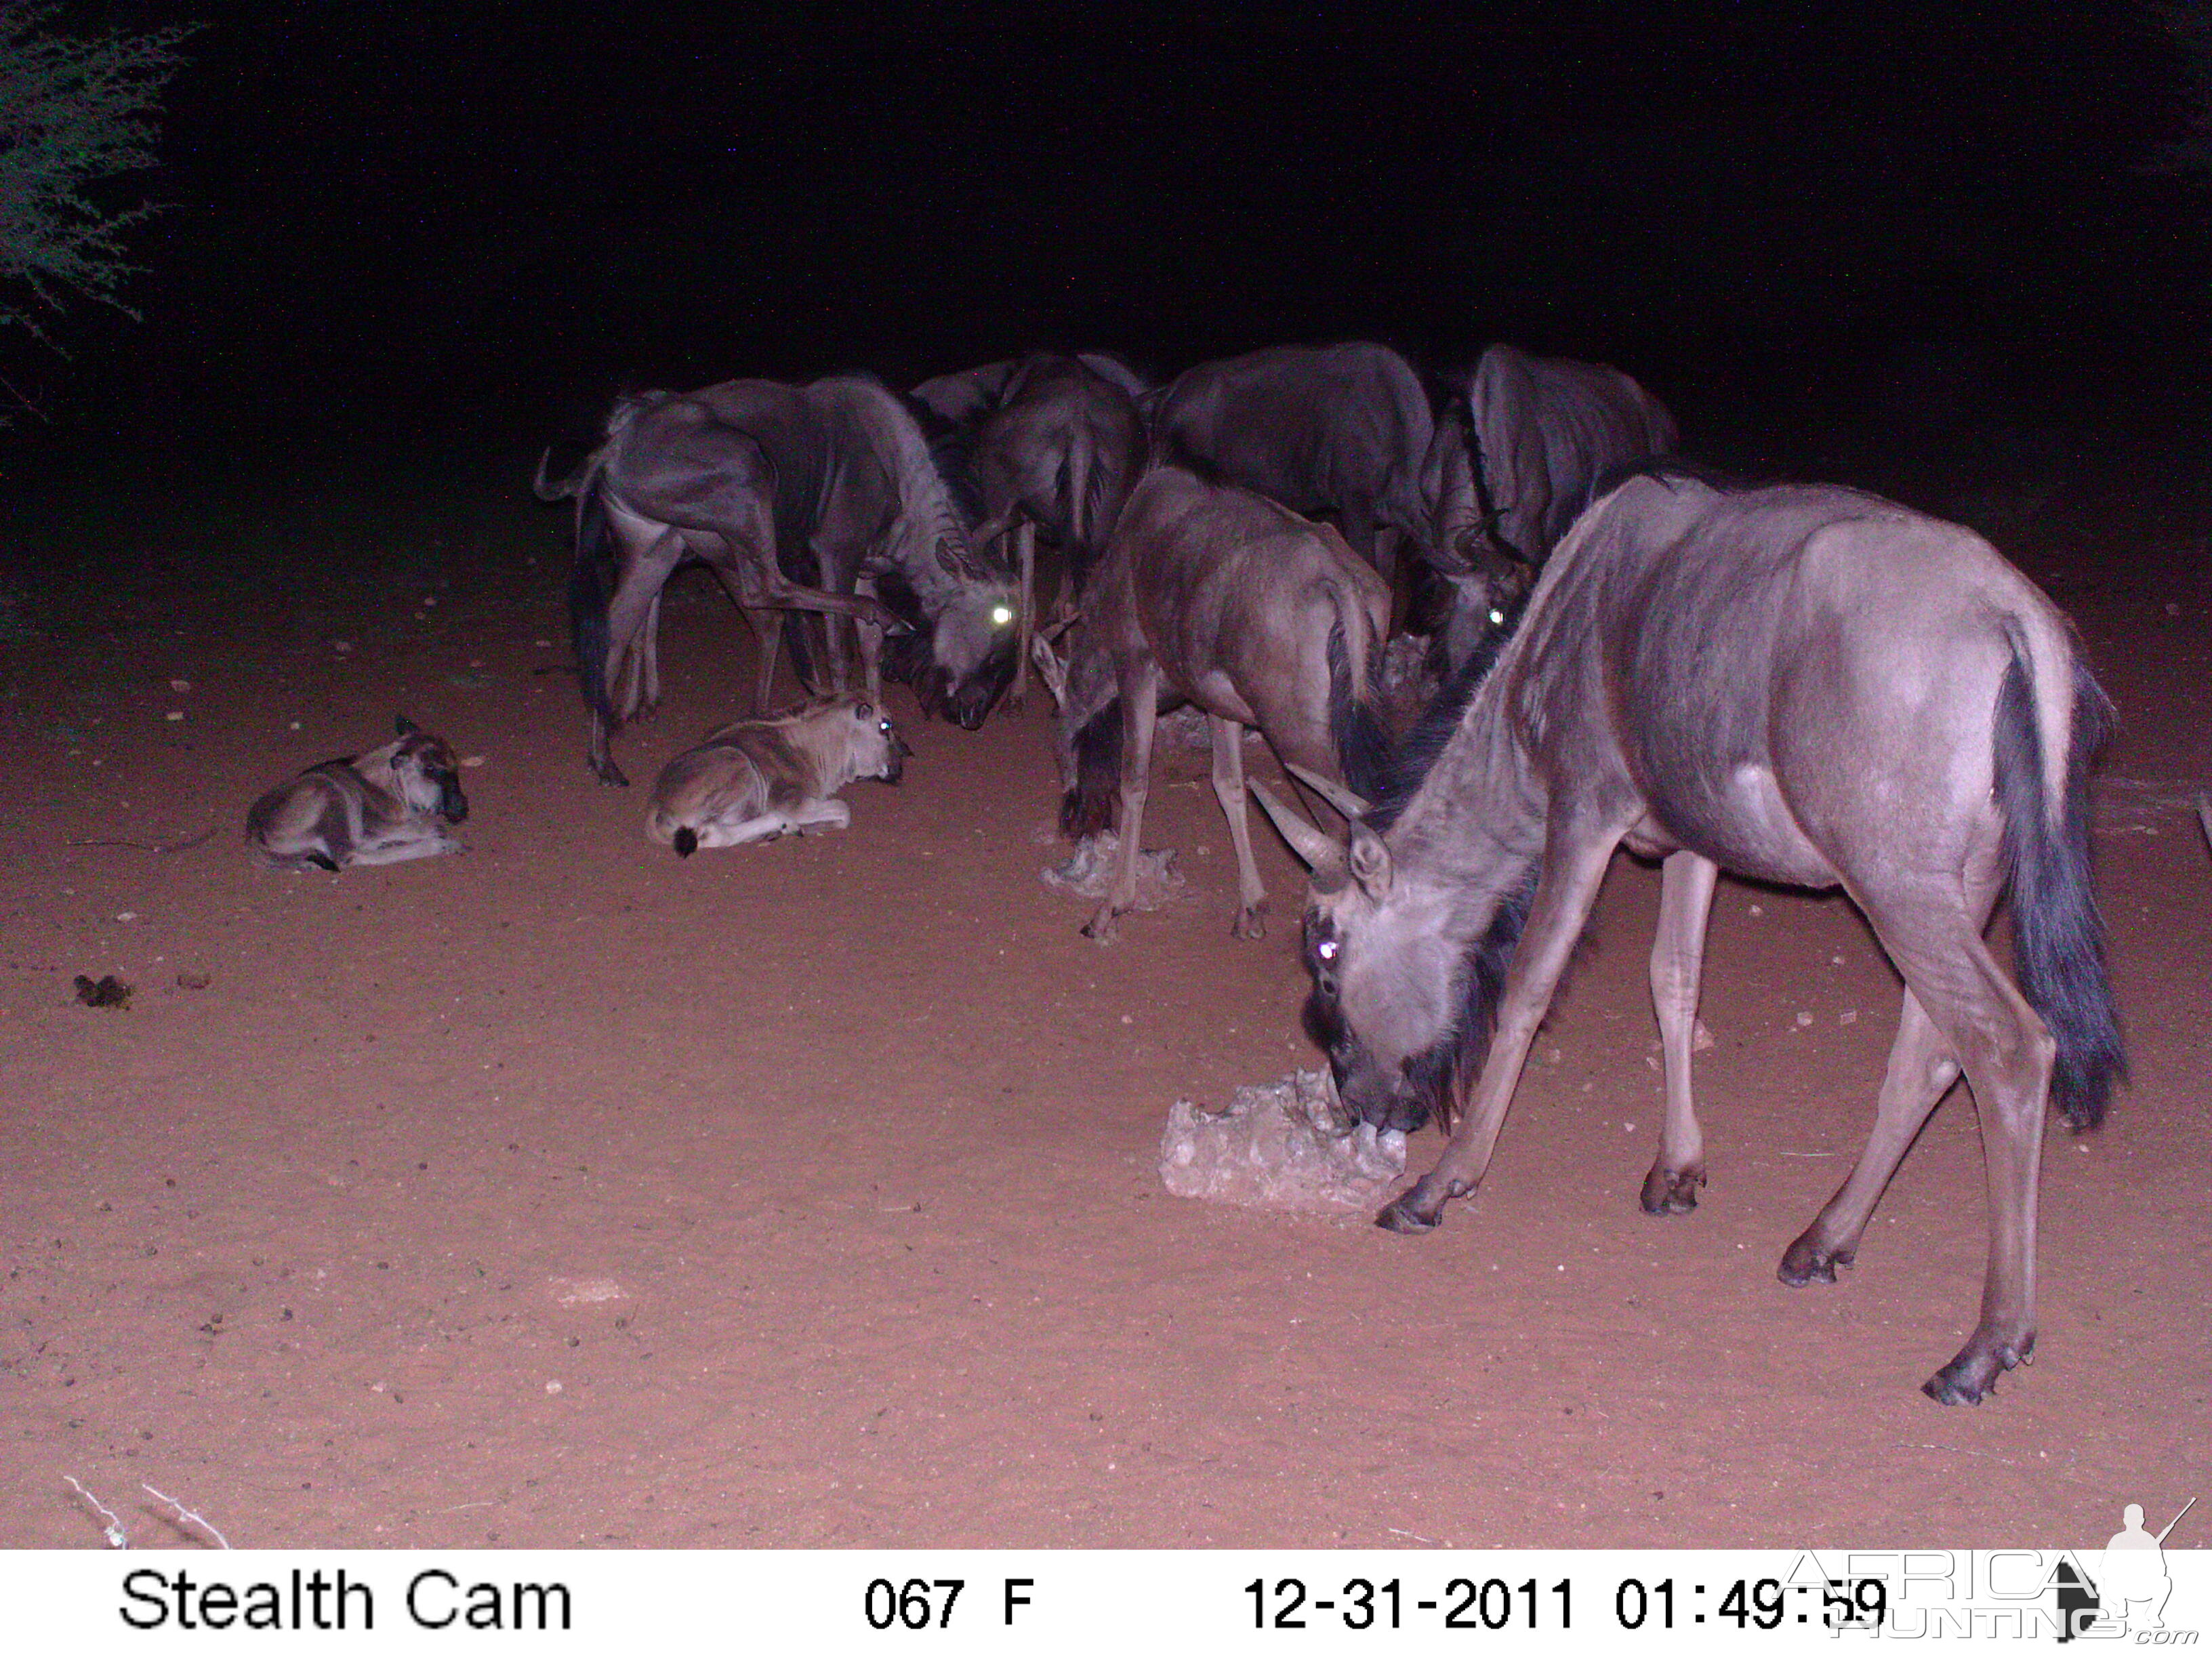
804, 1195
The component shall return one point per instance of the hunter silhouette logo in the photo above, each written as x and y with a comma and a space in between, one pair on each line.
2129, 1591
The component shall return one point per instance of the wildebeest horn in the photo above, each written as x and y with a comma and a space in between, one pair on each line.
551, 492
1319, 852
1051, 668
1330, 791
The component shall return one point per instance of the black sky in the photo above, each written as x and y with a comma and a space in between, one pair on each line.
454, 229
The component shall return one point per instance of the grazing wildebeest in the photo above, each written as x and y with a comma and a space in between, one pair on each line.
755, 780
1796, 684
1340, 431
747, 477
1054, 444
1222, 598
383, 807
1517, 454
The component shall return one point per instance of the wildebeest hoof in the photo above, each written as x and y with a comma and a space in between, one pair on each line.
1402, 1215
612, 775
1250, 924
1972, 1377
1805, 1263
1671, 1192
1102, 927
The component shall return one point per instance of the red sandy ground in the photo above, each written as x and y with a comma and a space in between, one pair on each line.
804, 1195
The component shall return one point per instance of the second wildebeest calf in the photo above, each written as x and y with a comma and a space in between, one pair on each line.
755, 780
1223, 598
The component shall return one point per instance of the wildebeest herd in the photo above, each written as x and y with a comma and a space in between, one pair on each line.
1796, 684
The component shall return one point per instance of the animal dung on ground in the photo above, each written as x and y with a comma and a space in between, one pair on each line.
1282, 1146
106, 992
1089, 871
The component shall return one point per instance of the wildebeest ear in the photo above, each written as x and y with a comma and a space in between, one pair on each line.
407, 727
862, 711
1370, 862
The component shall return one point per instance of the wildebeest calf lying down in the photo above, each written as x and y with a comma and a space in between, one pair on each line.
383, 807
754, 780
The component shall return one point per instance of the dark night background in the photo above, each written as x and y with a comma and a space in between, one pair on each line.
1835, 239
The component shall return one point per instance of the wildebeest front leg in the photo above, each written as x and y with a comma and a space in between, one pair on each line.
1678, 950
421, 841
1228, 737
1574, 869
1920, 1069
1140, 697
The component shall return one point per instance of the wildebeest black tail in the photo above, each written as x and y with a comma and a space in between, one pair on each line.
1363, 742
2059, 939
591, 592
1088, 805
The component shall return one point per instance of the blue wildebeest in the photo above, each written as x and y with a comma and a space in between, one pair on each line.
1800, 684
1221, 598
1340, 431
1054, 444
752, 476
1517, 452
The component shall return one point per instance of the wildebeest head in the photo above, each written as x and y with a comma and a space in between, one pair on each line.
423, 768
878, 750
971, 654
1485, 600
1398, 1008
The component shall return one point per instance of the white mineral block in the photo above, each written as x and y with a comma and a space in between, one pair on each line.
1280, 1148
1090, 873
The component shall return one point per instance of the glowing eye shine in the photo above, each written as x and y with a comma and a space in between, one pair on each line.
1496, 616
1327, 950
1001, 614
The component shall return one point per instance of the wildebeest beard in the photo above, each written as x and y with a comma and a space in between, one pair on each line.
911, 656
1426, 1080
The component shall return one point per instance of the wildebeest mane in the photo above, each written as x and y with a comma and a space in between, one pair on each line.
1460, 413
952, 450
1417, 753
1674, 469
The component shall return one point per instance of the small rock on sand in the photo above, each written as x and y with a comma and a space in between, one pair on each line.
1281, 1147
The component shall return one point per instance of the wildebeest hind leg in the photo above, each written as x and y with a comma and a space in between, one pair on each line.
1140, 695
2007, 1053
1251, 922
642, 578
1574, 869
1920, 1070
648, 654
1678, 951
